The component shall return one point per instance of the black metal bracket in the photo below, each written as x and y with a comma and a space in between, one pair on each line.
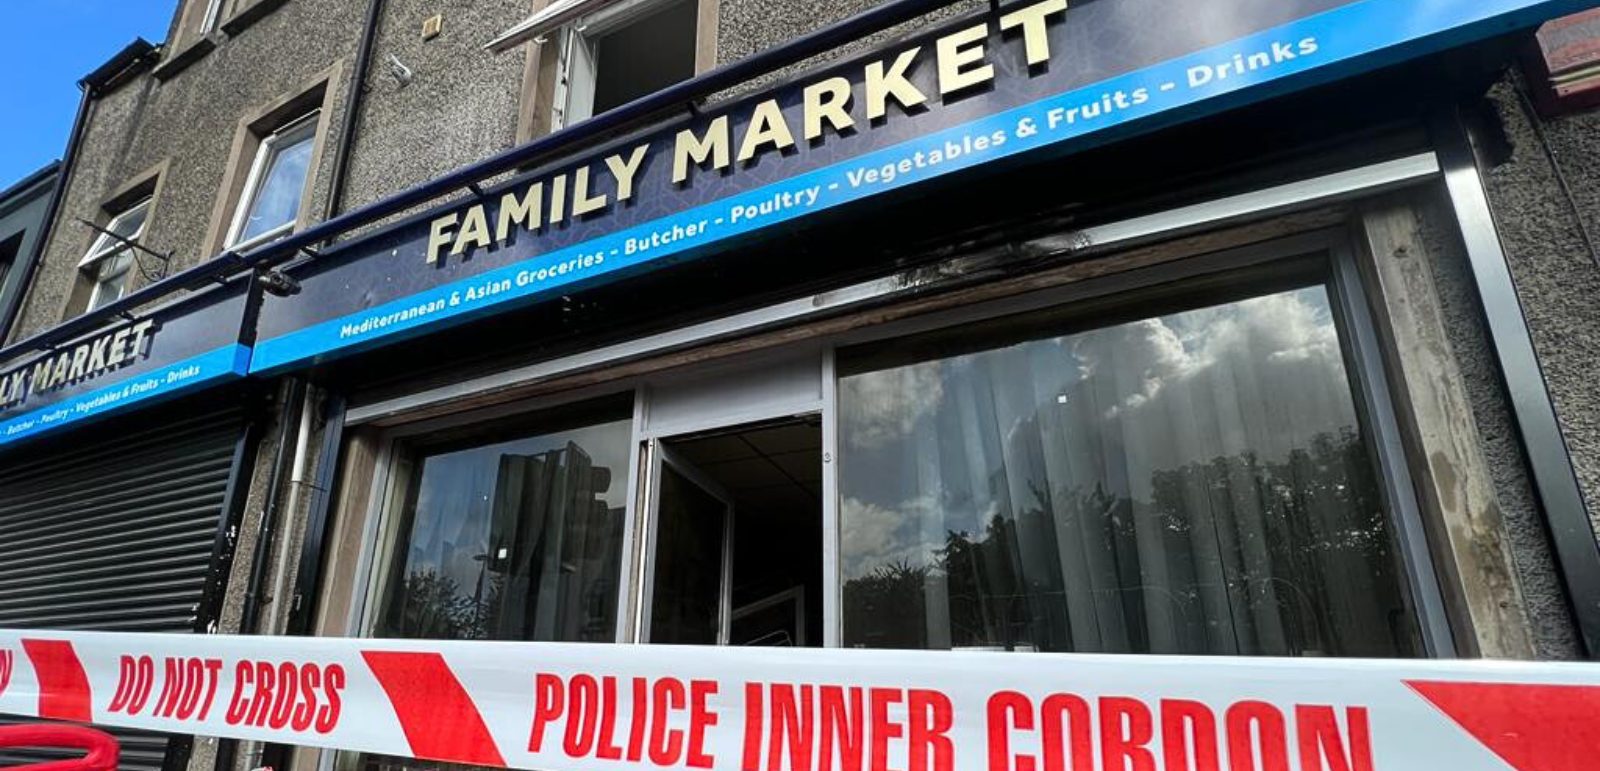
126, 243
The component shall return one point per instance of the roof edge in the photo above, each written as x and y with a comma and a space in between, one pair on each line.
132, 59
22, 185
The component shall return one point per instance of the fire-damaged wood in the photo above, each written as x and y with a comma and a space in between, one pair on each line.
1453, 474
991, 273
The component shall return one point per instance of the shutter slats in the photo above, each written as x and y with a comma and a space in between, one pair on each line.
115, 535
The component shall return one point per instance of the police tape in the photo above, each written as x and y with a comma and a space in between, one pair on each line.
589, 707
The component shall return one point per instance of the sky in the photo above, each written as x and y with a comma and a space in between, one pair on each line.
53, 43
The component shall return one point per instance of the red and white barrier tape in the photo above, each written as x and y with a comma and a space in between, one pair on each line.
565, 707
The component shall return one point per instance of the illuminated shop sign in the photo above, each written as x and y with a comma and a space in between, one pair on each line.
186, 345
1029, 77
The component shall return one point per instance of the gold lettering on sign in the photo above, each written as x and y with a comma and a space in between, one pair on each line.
834, 104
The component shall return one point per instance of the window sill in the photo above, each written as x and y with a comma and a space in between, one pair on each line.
274, 234
249, 15
180, 61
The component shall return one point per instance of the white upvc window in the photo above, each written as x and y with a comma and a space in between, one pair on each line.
110, 259
213, 15
620, 53
269, 206
610, 52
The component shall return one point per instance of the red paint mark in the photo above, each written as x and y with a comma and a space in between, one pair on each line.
439, 719
1531, 727
63, 686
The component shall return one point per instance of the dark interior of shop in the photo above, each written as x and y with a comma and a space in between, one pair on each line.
772, 474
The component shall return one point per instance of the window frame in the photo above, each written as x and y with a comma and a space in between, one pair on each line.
1364, 360
585, 32
397, 461
212, 17
104, 250
1352, 299
267, 150
544, 103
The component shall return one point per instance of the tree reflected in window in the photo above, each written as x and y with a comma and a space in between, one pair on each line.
1196, 482
512, 540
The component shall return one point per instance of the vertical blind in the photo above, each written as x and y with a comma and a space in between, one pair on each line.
1196, 482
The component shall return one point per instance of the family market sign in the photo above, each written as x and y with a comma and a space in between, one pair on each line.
195, 342
1027, 79
1034, 78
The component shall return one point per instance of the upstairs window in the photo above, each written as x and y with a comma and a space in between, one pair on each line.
8, 256
276, 186
213, 16
621, 53
110, 259
589, 56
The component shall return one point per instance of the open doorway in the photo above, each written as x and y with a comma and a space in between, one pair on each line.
738, 536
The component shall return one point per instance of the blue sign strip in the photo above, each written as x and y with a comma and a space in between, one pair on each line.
1362, 35
227, 362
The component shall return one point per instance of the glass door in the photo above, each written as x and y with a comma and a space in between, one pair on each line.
691, 569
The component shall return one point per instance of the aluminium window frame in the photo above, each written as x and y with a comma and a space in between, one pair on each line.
1348, 294
309, 123
1355, 300
1362, 355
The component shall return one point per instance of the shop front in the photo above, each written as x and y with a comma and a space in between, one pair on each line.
124, 459
906, 353
1119, 328
1171, 394
1188, 459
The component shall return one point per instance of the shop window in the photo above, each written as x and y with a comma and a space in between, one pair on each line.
106, 267
1196, 476
517, 535
621, 53
275, 188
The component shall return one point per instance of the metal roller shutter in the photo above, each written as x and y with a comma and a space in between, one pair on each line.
116, 534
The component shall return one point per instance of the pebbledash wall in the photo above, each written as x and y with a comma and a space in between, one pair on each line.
178, 124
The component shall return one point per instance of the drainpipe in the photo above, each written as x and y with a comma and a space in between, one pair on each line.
297, 481
352, 110
294, 398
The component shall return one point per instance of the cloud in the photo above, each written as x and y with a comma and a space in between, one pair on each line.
1144, 356
883, 406
1283, 328
1262, 374
872, 535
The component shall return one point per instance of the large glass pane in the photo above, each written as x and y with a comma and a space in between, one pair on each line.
516, 539
1191, 482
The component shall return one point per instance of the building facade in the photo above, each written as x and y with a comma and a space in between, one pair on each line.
23, 213
1236, 330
